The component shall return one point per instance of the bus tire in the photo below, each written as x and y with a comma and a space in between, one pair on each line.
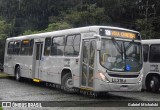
67, 83
153, 84
17, 74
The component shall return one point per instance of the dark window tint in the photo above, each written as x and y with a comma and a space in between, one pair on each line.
57, 47
47, 47
72, 46
10, 47
154, 53
91, 62
39, 51
25, 47
17, 45
92, 53
85, 51
31, 46
145, 52
85, 63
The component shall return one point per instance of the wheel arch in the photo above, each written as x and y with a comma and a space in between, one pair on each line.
17, 65
64, 71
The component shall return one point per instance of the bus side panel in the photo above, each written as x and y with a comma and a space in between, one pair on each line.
51, 68
75, 69
8, 65
150, 69
25, 63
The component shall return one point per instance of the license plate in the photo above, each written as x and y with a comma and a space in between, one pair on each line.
118, 80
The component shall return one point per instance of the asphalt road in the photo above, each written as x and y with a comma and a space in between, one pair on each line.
11, 90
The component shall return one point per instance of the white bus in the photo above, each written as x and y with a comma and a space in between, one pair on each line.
151, 55
94, 58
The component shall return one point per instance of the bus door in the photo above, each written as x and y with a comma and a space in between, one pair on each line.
88, 63
37, 59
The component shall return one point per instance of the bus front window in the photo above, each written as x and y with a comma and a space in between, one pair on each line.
133, 55
120, 55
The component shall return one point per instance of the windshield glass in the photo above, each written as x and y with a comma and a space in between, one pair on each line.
121, 55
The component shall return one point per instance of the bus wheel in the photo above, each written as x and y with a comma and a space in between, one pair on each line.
67, 83
153, 84
18, 77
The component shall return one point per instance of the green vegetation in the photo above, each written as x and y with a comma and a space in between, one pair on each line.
23, 17
5, 28
51, 27
1, 107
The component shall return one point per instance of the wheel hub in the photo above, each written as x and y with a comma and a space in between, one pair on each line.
152, 84
69, 83
17, 76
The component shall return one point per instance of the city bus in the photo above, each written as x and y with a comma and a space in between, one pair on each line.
92, 58
151, 55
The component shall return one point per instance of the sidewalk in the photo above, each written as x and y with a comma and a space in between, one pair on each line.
3, 75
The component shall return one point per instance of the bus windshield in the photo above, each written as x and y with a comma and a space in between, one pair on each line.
121, 55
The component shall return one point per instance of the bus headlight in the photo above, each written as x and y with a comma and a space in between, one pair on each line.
103, 77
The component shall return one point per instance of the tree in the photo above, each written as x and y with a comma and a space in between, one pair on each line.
146, 28
36, 15
89, 15
57, 26
51, 27
5, 29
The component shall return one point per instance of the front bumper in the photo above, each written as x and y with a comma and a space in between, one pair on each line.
107, 87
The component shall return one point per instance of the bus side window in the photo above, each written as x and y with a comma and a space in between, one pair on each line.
47, 47
31, 46
77, 41
17, 45
57, 47
10, 48
154, 53
25, 47
72, 46
145, 52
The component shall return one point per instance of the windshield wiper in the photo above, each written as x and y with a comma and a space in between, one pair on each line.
129, 45
118, 47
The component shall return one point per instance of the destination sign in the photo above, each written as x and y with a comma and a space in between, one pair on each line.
25, 41
119, 33
123, 34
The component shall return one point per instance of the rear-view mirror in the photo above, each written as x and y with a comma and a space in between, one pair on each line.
98, 45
